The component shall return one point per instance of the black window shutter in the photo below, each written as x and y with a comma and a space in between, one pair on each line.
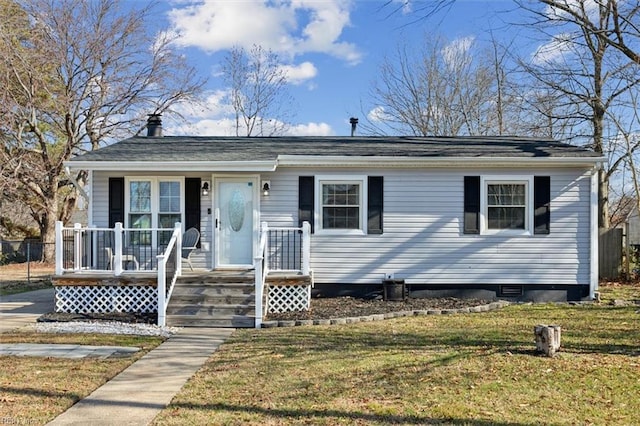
116, 201
542, 204
472, 204
192, 204
375, 204
306, 204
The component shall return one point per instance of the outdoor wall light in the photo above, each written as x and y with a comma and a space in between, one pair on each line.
205, 188
266, 187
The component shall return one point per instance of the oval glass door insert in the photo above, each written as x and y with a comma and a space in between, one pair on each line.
236, 210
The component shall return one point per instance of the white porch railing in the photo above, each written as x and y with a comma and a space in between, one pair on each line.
286, 250
118, 251
115, 250
169, 269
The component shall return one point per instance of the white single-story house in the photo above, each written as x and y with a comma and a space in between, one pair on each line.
506, 216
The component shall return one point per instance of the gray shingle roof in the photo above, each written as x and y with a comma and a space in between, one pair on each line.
226, 149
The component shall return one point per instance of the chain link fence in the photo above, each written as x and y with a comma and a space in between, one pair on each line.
28, 252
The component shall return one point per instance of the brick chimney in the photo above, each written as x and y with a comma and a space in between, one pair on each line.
154, 126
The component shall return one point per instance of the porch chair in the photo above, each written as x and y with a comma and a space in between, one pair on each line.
189, 244
127, 258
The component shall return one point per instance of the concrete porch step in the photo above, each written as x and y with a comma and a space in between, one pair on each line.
213, 299
210, 310
212, 289
237, 321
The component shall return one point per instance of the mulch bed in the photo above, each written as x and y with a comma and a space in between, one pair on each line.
321, 308
345, 307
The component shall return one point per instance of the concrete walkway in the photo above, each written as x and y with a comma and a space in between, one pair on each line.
137, 394
65, 351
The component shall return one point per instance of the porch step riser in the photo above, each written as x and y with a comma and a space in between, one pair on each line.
212, 291
224, 301
198, 280
189, 321
208, 300
210, 310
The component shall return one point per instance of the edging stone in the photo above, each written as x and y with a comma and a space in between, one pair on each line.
379, 317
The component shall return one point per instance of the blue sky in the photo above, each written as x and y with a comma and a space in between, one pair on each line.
332, 49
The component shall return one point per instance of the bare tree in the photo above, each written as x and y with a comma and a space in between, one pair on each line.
581, 67
416, 11
622, 32
78, 74
445, 88
258, 91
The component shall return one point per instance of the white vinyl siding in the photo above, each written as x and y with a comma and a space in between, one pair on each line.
423, 240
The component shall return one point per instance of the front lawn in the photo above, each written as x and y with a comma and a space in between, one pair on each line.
458, 369
34, 390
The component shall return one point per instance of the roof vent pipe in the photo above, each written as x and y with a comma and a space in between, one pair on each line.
154, 126
354, 124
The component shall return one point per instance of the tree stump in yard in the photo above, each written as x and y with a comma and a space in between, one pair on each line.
547, 339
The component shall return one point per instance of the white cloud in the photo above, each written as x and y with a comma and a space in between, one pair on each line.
298, 74
205, 127
212, 104
210, 116
404, 5
456, 53
286, 27
311, 129
553, 51
377, 114
591, 8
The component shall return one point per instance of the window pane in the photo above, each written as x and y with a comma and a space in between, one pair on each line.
506, 205
140, 221
341, 206
140, 196
166, 221
341, 218
506, 217
341, 194
506, 195
170, 197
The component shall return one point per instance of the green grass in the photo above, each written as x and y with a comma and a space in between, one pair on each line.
8, 288
460, 369
34, 390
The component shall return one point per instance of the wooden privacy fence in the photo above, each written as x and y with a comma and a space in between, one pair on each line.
610, 253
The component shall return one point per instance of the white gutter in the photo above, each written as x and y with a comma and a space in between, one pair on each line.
176, 166
334, 161
415, 162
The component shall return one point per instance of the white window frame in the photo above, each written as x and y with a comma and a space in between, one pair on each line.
526, 180
340, 179
155, 199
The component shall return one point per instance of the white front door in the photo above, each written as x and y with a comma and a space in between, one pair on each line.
235, 227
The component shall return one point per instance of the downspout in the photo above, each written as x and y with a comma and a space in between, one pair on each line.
595, 232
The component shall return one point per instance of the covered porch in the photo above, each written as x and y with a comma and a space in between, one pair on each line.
136, 270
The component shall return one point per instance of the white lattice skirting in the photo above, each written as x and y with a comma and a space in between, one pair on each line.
103, 299
286, 298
